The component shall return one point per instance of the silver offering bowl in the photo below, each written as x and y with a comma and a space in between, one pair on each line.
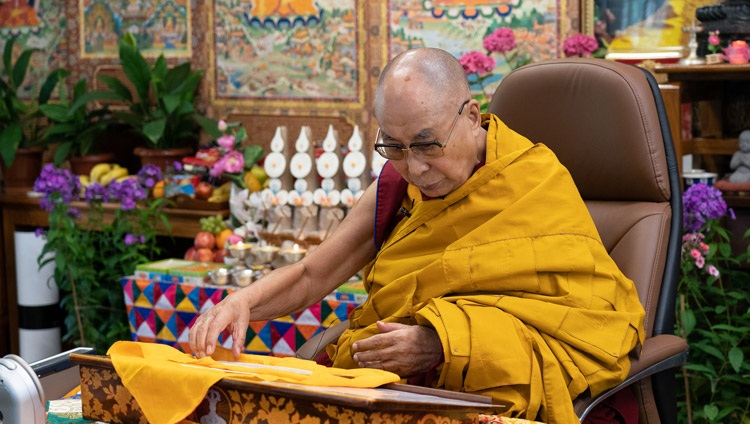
294, 255
243, 277
266, 254
240, 250
219, 276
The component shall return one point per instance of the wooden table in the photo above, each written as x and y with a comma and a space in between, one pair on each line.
708, 84
19, 211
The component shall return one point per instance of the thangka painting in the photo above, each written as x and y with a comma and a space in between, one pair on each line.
461, 26
36, 24
645, 25
288, 53
159, 26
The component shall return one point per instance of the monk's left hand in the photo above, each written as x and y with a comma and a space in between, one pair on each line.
402, 349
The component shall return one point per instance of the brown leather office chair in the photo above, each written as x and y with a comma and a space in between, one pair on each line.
606, 123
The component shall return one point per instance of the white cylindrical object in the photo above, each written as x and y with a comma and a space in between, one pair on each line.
38, 311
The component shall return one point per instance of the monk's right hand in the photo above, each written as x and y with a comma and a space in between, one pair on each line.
231, 314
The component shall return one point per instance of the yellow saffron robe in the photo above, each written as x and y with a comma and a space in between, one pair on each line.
510, 271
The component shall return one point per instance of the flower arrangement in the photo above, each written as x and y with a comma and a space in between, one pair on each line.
580, 45
235, 158
712, 313
714, 43
479, 66
92, 252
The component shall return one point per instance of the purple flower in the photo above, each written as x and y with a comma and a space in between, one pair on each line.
580, 45
500, 40
475, 62
57, 185
96, 192
149, 175
131, 239
701, 203
39, 232
128, 192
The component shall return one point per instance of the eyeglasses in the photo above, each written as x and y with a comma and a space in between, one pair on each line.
421, 151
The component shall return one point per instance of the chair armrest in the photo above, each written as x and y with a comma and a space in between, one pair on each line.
659, 353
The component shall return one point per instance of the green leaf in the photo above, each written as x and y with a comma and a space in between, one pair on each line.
155, 130
117, 86
209, 125
62, 152
171, 102
688, 321
10, 139
711, 411
54, 78
136, 68
736, 357
252, 155
55, 111
93, 96
20, 68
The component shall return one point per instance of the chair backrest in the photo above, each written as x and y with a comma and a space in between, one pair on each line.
606, 123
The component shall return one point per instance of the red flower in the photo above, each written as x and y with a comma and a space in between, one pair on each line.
500, 40
580, 45
475, 62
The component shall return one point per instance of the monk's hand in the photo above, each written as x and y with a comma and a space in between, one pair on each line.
402, 349
231, 314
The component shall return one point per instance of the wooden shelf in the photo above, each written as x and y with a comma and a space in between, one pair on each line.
710, 146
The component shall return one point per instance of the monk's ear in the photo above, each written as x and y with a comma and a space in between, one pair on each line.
474, 113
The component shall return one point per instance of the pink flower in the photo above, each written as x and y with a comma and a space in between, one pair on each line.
235, 162
500, 40
232, 162
704, 247
223, 125
475, 62
695, 253
712, 270
713, 39
700, 261
580, 45
226, 142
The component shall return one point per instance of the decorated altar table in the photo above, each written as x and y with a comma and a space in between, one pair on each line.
162, 312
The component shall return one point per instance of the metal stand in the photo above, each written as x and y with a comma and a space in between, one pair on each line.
692, 58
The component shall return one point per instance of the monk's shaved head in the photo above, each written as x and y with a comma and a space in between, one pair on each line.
432, 74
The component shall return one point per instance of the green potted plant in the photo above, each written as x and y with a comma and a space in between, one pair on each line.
77, 126
21, 122
162, 109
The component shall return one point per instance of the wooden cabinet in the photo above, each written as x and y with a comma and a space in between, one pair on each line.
18, 211
713, 95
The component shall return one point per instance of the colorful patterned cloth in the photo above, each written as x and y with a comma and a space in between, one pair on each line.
163, 312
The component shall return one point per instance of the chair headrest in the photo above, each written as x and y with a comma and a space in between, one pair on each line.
599, 117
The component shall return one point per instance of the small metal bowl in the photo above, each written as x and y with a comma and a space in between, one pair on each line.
243, 277
219, 276
240, 250
266, 254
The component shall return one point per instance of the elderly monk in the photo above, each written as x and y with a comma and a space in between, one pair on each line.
484, 270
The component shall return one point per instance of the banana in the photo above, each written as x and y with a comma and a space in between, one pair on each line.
113, 175
98, 171
123, 178
84, 180
221, 197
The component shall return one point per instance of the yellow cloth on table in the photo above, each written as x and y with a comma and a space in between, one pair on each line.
169, 384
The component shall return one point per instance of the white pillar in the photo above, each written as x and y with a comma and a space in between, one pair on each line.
38, 298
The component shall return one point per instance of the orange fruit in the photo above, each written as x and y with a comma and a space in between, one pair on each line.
158, 190
221, 238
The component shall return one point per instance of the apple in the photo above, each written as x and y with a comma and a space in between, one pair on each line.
204, 254
190, 254
204, 239
220, 254
203, 190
